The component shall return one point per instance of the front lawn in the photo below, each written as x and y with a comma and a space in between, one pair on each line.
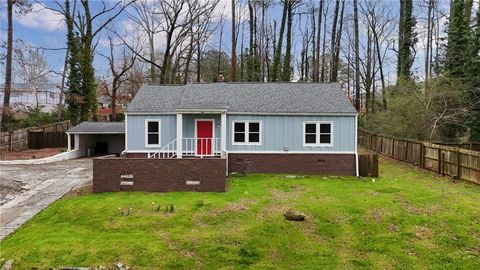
407, 219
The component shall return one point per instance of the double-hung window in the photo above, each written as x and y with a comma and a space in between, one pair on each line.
247, 132
317, 133
152, 132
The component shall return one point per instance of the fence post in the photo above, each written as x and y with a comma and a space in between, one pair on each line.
421, 159
439, 169
393, 147
443, 164
381, 144
406, 151
10, 141
458, 164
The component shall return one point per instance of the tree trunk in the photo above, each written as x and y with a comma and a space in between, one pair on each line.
380, 68
276, 73
357, 56
322, 77
319, 30
114, 100
401, 27
336, 54
368, 72
8, 68
233, 73
189, 58
219, 53
332, 38
287, 69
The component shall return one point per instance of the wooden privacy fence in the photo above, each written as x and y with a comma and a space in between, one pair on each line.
14, 141
51, 135
368, 165
38, 140
446, 160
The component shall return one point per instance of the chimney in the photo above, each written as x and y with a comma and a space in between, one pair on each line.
220, 77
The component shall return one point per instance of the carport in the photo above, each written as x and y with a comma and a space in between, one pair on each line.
97, 138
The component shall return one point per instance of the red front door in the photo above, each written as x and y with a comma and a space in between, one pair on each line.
204, 137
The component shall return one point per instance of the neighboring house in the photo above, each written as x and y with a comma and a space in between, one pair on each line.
188, 132
23, 94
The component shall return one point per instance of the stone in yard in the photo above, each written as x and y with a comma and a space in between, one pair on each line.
7, 265
294, 215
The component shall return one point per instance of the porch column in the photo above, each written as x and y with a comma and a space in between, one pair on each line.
69, 141
179, 134
223, 132
77, 141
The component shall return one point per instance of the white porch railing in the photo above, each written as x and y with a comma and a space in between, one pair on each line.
191, 147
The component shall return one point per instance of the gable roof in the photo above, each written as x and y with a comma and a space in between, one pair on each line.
243, 98
98, 128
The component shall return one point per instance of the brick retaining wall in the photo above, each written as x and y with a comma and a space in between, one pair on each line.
159, 175
331, 164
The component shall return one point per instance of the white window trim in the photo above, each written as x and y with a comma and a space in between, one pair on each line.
159, 133
317, 134
247, 132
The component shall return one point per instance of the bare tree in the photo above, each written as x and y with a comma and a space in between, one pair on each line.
32, 68
8, 65
118, 73
233, 74
357, 55
147, 21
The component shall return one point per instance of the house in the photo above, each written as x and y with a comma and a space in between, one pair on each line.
46, 95
189, 131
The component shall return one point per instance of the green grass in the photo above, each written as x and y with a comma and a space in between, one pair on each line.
406, 219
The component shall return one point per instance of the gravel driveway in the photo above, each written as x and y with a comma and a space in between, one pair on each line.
27, 189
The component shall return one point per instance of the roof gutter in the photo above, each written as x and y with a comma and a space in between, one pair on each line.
244, 113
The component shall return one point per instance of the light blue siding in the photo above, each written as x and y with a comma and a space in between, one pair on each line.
189, 124
280, 132
136, 131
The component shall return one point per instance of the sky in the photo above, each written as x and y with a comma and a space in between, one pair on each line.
45, 29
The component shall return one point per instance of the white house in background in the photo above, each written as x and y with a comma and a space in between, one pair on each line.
23, 95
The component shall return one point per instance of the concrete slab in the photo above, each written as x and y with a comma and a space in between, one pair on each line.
41, 185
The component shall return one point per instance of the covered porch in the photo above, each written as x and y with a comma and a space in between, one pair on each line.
201, 131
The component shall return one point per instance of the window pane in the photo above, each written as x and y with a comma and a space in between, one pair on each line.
310, 138
254, 127
325, 138
152, 126
325, 128
310, 128
152, 138
239, 137
239, 127
254, 137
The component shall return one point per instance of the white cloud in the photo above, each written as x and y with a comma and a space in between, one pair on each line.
41, 18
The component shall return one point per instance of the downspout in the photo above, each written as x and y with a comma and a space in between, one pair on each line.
126, 134
356, 146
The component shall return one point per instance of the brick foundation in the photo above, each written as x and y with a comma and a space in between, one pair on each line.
159, 175
330, 164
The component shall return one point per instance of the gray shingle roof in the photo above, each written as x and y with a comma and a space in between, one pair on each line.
244, 98
98, 128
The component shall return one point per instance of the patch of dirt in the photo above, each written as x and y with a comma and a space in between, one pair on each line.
416, 210
376, 214
309, 228
393, 228
242, 206
80, 191
30, 154
422, 232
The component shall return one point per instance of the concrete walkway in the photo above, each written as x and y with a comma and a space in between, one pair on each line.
40, 185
